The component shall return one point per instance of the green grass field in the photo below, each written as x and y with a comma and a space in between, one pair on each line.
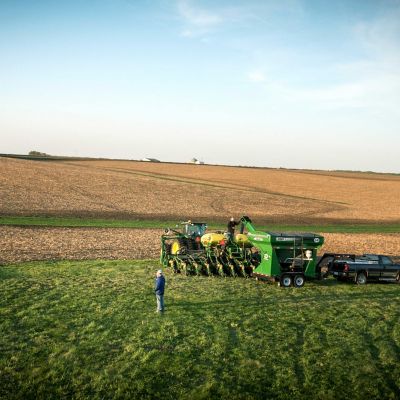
158, 224
89, 329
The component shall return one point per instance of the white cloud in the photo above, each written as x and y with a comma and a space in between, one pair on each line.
374, 80
196, 16
187, 33
371, 82
256, 76
199, 20
376, 92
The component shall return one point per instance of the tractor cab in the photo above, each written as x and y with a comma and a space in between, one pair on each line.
193, 229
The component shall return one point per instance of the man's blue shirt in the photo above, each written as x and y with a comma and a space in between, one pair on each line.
160, 284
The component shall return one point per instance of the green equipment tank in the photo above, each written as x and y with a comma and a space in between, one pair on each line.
288, 258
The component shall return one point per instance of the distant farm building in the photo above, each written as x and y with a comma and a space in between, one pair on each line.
150, 159
196, 161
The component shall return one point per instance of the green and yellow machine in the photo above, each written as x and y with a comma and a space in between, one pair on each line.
288, 258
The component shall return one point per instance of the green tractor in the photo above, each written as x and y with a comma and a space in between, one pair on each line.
288, 258
182, 250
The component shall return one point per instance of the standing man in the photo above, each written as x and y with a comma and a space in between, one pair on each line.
159, 290
231, 228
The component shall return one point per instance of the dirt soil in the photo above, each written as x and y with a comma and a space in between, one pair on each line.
27, 244
139, 190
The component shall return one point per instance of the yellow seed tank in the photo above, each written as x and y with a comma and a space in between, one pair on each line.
212, 239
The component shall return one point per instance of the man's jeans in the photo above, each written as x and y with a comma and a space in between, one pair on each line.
160, 302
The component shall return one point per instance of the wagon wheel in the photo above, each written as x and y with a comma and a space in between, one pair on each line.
299, 281
286, 281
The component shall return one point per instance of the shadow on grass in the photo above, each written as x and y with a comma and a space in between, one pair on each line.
251, 303
372, 344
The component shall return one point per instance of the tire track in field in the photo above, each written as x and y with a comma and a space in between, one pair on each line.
324, 206
219, 184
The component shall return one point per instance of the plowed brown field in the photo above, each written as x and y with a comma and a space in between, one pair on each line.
177, 191
26, 244
289, 194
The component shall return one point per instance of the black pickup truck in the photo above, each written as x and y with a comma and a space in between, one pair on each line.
360, 269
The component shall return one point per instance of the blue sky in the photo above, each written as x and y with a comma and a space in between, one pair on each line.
290, 83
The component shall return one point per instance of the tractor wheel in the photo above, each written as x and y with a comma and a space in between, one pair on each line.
286, 281
299, 281
178, 247
361, 278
